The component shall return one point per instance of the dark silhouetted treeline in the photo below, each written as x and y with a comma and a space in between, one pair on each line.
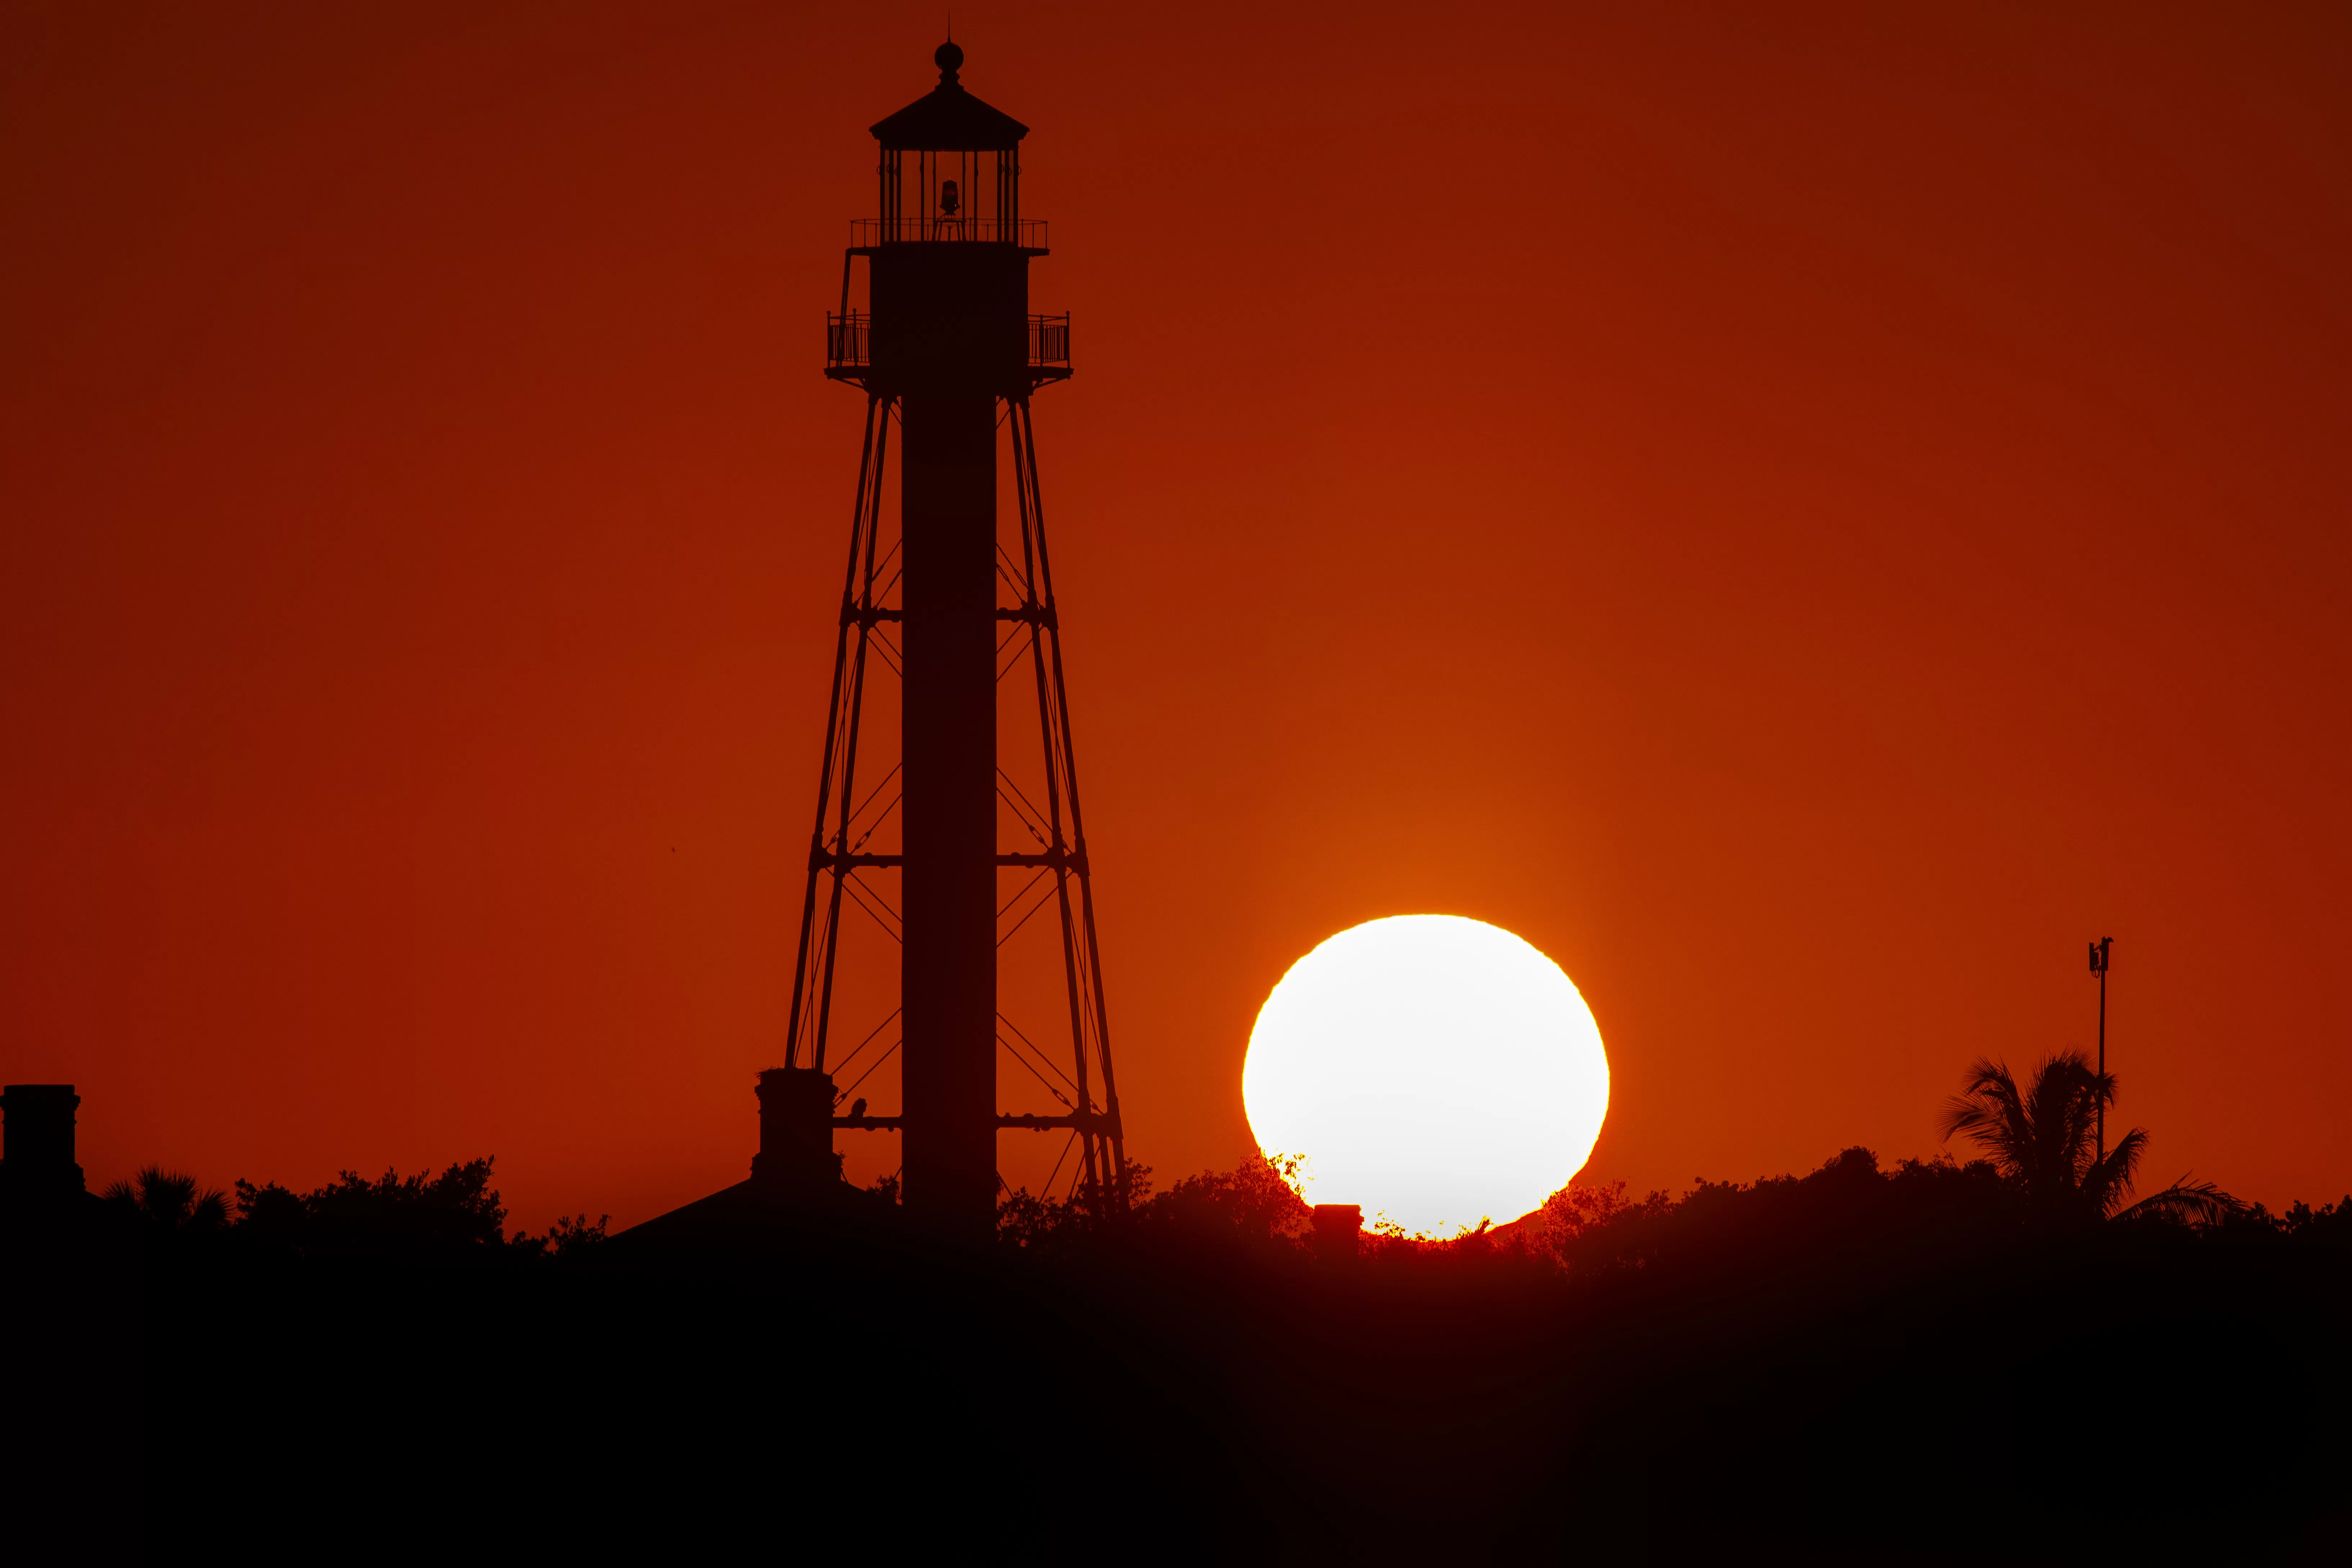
422, 1218
1850, 1365
1946, 1360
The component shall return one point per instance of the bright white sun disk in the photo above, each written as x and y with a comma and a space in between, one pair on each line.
1436, 1070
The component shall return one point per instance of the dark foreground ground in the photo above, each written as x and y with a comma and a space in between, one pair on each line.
1868, 1392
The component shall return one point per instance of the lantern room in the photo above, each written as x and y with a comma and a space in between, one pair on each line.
947, 257
951, 169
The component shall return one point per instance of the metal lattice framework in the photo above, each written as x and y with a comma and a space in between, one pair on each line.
843, 871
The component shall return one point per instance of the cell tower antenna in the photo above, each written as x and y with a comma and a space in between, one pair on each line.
2099, 955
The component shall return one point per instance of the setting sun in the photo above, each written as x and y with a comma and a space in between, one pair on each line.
1434, 1069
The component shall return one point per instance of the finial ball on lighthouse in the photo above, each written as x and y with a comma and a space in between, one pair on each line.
949, 59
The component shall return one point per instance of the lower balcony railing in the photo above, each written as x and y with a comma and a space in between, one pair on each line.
1049, 340
849, 340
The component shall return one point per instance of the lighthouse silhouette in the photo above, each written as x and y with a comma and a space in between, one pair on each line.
946, 849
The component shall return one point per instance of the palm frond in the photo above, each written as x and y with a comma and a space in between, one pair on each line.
2187, 1203
1989, 1112
2058, 1102
166, 1196
171, 1199
2107, 1182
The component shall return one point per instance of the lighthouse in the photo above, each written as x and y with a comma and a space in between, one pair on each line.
943, 847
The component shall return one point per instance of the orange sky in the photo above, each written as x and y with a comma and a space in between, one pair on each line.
1806, 519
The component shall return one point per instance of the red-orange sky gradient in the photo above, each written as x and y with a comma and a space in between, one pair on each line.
1808, 519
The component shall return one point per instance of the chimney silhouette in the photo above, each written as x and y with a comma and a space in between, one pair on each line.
796, 1129
36, 1138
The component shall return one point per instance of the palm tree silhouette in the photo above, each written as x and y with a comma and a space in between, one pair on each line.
2041, 1137
171, 1200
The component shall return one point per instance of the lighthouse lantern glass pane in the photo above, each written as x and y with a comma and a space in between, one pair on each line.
950, 195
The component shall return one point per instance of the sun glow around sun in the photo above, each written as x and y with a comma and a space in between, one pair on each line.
1434, 1069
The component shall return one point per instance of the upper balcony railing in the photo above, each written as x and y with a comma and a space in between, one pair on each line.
1029, 233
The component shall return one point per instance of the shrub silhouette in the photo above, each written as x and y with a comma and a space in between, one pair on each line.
450, 1217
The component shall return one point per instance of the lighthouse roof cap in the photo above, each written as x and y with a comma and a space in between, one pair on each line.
948, 118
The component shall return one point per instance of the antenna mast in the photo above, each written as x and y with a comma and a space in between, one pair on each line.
2099, 967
